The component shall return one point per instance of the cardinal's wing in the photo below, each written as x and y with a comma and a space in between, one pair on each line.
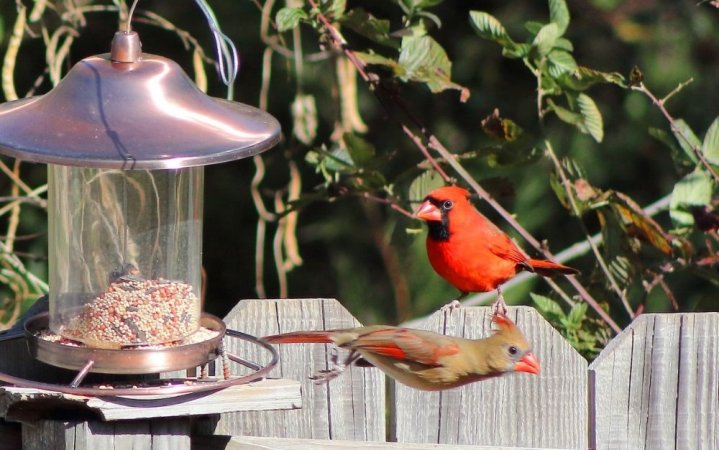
406, 344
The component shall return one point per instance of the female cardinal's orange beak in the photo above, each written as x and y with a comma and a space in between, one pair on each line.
528, 364
427, 211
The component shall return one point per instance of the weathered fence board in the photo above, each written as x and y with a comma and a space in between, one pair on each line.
26, 404
165, 434
351, 407
517, 410
655, 385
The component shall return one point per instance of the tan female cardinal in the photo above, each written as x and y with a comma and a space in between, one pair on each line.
423, 359
469, 251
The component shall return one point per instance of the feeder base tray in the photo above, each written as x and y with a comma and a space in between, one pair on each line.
123, 361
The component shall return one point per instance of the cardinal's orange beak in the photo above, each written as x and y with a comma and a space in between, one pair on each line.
427, 211
528, 364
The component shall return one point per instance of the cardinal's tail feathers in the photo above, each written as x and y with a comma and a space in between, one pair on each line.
548, 268
300, 337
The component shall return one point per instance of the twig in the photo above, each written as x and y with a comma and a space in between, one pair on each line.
264, 217
422, 148
597, 254
292, 249
672, 122
390, 203
277, 247
13, 47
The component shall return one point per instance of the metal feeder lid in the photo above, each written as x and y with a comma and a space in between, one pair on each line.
126, 110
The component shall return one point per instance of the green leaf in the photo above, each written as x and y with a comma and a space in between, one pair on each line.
688, 141
588, 120
533, 27
516, 51
546, 38
359, 149
425, 61
304, 118
412, 5
431, 16
695, 189
663, 137
376, 59
289, 18
425, 183
583, 78
559, 14
566, 115
577, 314
369, 26
591, 117
564, 44
681, 161
560, 62
337, 8
547, 306
710, 146
621, 270
488, 27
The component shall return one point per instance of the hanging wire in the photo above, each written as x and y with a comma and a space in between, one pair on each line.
228, 61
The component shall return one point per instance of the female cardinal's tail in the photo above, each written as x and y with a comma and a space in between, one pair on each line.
547, 268
301, 337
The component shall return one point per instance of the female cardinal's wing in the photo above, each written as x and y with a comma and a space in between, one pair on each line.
406, 344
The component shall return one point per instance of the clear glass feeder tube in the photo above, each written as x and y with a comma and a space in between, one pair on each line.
125, 254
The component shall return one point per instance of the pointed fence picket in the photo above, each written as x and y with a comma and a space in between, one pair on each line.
656, 385
517, 410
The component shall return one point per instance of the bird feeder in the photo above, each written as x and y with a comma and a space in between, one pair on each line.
125, 136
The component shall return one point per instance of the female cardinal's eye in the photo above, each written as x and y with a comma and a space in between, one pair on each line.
447, 205
513, 350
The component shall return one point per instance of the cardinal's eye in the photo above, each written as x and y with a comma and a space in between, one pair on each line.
447, 205
513, 350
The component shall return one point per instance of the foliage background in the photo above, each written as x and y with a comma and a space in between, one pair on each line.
359, 250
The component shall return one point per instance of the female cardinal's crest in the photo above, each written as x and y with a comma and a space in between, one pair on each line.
504, 322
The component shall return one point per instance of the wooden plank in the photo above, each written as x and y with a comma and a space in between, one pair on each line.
624, 354
265, 443
517, 410
667, 396
27, 404
350, 407
171, 434
47, 434
167, 434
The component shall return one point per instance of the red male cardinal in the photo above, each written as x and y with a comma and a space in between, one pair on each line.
469, 251
423, 359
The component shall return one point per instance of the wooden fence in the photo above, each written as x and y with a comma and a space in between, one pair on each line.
654, 386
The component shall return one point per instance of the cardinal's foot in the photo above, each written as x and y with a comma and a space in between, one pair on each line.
324, 376
451, 306
499, 305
